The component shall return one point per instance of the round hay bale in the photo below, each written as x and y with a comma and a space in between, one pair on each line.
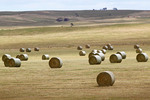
123, 54
6, 62
115, 58
22, 49
79, 48
91, 54
45, 57
23, 57
87, 46
142, 57
106, 78
5, 56
104, 51
94, 50
36, 49
105, 47
18, 56
101, 55
139, 50
94, 60
14, 62
108, 45
28, 50
82, 53
110, 48
136, 46
99, 51
55, 62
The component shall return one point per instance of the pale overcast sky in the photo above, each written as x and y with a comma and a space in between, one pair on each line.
27, 5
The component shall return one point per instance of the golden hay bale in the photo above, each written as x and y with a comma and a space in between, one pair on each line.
115, 58
123, 54
6, 62
45, 57
79, 48
22, 49
36, 49
94, 50
105, 47
106, 78
18, 56
28, 50
104, 51
142, 57
99, 51
95, 59
136, 46
55, 62
23, 57
14, 62
101, 55
87, 46
91, 54
139, 50
82, 53
108, 45
5, 56
110, 48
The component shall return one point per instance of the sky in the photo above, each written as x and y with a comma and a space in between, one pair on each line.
34, 5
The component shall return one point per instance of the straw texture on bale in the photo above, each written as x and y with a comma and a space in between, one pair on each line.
101, 55
14, 62
45, 57
142, 57
136, 46
82, 53
105, 47
94, 60
55, 62
6, 62
139, 50
23, 57
5, 56
79, 48
22, 49
28, 50
106, 78
104, 51
87, 46
123, 54
115, 58
36, 49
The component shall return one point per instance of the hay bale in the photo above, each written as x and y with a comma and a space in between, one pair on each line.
91, 54
94, 60
23, 57
123, 54
36, 49
136, 46
101, 55
105, 47
79, 48
115, 58
82, 53
104, 51
94, 50
106, 78
110, 48
14, 62
142, 57
5, 56
6, 62
87, 46
28, 50
99, 51
22, 49
55, 62
45, 57
139, 50
108, 45
18, 56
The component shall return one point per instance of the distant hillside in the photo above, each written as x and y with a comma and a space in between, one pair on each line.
47, 18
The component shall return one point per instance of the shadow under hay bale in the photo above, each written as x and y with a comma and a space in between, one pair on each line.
82, 53
28, 50
14, 62
87, 46
55, 62
115, 58
136, 46
36, 49
142, 57
106, 78
5, 56
123, 54
22, 50
79, 48
45, 57
101, 55
94, 60
139, 50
